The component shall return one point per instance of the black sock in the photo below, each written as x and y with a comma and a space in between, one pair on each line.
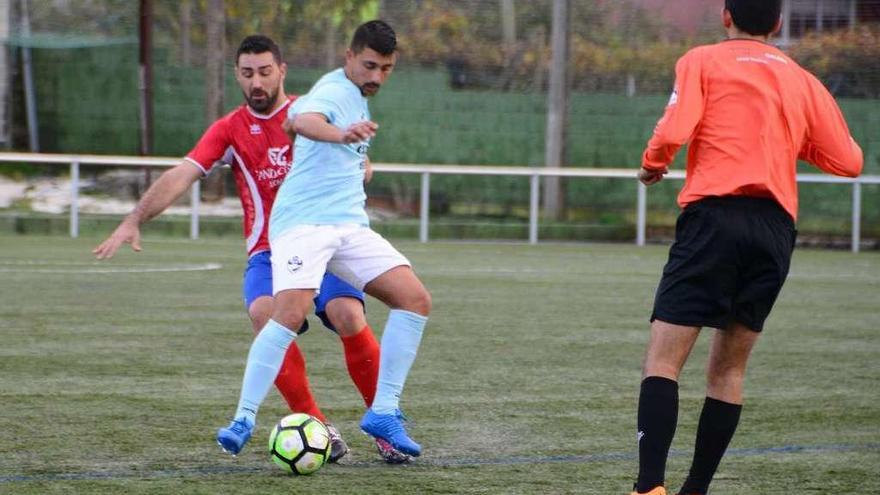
717, 424
658, 417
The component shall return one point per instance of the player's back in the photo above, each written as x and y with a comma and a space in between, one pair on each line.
760, 111
754, 96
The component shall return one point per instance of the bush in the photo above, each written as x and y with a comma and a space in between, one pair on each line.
846, 61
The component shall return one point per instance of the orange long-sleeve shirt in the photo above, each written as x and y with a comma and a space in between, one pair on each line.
749, 112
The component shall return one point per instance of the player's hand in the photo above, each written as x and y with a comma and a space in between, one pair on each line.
358, 132
126, 233
649, 177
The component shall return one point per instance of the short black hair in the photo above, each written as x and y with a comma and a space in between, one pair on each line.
258, 43
377, 35
756, 17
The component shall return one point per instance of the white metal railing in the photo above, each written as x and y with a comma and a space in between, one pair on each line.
534, 174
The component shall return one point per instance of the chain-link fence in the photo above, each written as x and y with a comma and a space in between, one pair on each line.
471, 87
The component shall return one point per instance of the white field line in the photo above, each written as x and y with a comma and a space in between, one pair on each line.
26, 266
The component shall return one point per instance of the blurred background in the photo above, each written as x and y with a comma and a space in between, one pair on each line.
572, 83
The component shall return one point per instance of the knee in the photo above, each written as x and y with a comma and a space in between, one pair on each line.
729, 390
258, 319
419, 302
659, 364
346, 315
290, 318
719, 378
662, 366
259, 312
661, 369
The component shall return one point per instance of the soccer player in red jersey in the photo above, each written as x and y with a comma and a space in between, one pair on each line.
251, 140
748, 112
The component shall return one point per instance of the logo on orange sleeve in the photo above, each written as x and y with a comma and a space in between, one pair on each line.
673, 99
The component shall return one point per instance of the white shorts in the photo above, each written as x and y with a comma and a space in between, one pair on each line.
353, 253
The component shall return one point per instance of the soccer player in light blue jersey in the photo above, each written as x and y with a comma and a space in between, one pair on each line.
318, 223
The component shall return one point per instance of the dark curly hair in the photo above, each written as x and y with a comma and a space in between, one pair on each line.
377, 35
258, 43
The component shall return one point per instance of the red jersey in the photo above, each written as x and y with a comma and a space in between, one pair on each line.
260, 154
749, 112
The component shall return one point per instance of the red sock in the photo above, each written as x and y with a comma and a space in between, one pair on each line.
362, 360
293, 384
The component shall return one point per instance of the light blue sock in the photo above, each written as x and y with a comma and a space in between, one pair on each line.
400, 342
264, 361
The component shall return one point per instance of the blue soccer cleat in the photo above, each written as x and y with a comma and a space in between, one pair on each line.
389, 427
233, 437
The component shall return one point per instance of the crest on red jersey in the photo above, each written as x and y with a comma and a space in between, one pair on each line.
278, 156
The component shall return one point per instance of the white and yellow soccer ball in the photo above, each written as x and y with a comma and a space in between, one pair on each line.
299, 444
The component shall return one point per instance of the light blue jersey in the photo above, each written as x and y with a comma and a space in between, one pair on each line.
325, 185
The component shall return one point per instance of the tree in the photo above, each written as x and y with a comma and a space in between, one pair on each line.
557, 109
339, 16
214, 76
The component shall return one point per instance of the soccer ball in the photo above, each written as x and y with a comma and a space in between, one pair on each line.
299, 444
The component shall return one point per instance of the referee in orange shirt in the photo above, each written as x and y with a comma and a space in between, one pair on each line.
747, 112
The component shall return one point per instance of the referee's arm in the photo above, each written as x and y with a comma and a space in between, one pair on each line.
829, 144
683, 113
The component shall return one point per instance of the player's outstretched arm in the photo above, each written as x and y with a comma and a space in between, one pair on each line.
170, 186
315, 127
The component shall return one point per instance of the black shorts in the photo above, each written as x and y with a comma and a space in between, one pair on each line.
730, 258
